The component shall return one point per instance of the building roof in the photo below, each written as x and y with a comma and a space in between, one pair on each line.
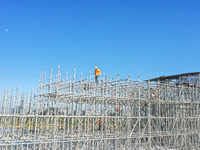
163, 78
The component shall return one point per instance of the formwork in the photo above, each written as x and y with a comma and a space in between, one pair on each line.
113, 114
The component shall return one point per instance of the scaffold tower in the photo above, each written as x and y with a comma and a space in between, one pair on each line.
113, 114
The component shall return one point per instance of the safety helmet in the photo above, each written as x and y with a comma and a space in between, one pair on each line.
154, 93
95, 67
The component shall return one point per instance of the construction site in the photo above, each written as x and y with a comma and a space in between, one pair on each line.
73, 113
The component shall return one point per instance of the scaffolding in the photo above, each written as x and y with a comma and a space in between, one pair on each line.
111, 114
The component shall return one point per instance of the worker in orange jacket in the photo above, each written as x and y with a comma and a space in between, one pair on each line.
99, 123
97, 73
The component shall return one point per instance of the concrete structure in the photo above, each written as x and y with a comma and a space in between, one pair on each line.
134, 114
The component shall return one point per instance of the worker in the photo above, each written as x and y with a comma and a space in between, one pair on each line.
97, 73
153, 95
99, 123
118, 110
145, 108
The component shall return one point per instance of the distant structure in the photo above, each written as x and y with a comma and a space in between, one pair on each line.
188, 79
159, 113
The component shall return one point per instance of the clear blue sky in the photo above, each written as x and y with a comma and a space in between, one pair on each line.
125, 37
